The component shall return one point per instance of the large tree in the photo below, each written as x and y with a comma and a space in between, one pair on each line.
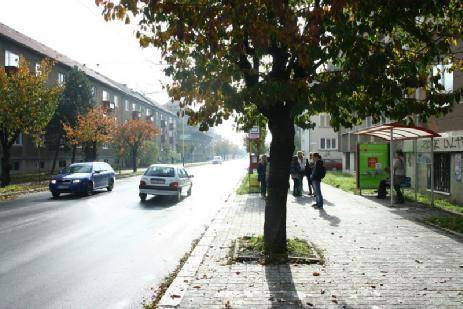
132, 136
291, 59
27, 104
90, 131
76, 99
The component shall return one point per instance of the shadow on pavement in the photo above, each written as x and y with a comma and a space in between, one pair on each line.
283, 293
70, 196
334, 221
157, 202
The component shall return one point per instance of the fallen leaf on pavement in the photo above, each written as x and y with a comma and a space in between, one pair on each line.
227, 304
334, 301
175, 296
315, 273
196, 287
238, 273
309, 304
419, 262
322, 292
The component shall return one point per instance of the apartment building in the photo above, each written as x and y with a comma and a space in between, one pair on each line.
322, 139
122, 102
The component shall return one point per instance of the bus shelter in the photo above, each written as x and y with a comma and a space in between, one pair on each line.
393, 132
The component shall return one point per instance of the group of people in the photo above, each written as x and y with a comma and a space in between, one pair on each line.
312, 168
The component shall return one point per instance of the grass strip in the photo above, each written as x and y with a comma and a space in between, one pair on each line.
245, 188
453, 223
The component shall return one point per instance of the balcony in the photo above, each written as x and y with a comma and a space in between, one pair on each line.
150, 119
136, 115
163, 123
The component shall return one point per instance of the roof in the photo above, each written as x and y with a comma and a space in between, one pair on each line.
400, 132
46, 51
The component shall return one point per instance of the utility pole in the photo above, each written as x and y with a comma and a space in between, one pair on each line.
183, 137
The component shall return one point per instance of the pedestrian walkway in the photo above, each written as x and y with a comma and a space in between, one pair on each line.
376, 257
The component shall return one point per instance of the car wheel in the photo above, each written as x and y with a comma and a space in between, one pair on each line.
142, 196
178, 197
189, 190
110, 186
55, 194
88, 189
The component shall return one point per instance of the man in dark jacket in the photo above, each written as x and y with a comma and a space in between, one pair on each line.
317, 175
262, 175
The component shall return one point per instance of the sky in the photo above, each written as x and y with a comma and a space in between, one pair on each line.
76, 28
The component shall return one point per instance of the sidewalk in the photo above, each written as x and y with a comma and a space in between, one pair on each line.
376, 257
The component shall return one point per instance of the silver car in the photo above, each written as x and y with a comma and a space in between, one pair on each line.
169, 180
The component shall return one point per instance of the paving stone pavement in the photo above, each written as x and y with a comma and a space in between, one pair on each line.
376, 257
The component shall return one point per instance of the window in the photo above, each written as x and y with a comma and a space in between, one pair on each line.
11, 59
105, 146
62, 163
126, 103
61, 79
324, 120
116, 101
19, 140
348, 161
441, 172
105, 96
38, 69
328, 143
16, 166
93, 91
446, 77
160, 171
41, 164
148, 112
134, 106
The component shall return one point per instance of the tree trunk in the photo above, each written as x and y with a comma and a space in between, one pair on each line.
94, 151
73, 157
55, 157
134, 158
281, 126
6, 166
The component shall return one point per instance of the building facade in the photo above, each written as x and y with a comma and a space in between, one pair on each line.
122, 102
322, 139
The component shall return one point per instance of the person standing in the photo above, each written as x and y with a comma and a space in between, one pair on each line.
399, 174
301, 161
262, 175
318, 173
308, 172
295, 171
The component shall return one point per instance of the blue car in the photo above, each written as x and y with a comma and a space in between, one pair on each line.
83, 178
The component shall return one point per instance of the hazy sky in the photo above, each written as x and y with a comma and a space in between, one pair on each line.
75, 28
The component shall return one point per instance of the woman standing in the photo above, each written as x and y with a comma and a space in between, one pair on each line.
308, 172
295, 171
262, 175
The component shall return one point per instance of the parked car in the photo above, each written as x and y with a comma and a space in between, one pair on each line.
168, 180
217, 160
83, 178
332, 165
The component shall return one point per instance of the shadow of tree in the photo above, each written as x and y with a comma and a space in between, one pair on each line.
283, 293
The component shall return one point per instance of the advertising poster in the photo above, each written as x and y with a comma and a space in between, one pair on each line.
373, 165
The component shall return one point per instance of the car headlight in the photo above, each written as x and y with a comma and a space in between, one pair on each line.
76, 181
53, 181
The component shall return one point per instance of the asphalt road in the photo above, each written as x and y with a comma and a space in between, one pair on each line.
103, 251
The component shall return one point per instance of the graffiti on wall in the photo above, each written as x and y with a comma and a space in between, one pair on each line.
442, 144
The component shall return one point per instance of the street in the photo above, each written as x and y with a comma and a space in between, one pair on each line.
103, 251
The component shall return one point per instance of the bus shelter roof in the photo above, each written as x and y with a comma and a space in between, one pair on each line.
399, 132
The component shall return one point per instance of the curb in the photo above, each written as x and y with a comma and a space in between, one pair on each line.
177, 290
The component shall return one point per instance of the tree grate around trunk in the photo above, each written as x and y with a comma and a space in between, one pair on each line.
251, 249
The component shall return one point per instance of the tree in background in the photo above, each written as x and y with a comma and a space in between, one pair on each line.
149, 154
76, 99
27, 104
288, 60
91, 131
132, 136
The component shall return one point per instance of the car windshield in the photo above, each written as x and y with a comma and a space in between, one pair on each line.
160, 171
79, 168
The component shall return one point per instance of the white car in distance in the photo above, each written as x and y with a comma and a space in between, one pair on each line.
168, 180
217, 160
